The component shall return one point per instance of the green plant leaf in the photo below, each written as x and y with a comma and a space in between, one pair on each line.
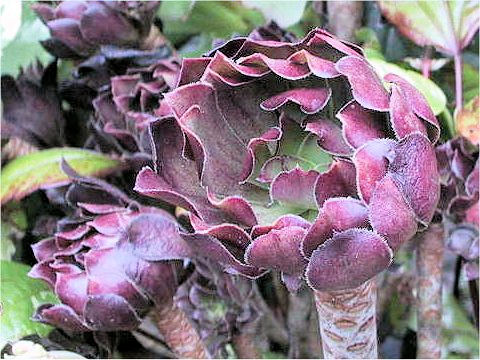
434, 95
288, 14
41, 169
7, 248
460, 335
25, 47
219, 19
447, 25
21, 295
471, 80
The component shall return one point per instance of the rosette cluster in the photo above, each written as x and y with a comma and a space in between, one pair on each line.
296, 157
31, 106
126, 108
110, 263
459, 173
79, 28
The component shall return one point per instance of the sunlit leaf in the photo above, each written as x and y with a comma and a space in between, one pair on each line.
10, 20
20, 297
447, 25
41, 169
286, 14
25, 47
220, 19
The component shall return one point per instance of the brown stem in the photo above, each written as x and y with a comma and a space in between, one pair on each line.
344, 18
429, 292
347, 322
178, 333
244, 344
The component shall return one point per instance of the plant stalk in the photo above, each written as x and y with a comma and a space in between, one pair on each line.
344, 18
347, 322
178, 333
429, 292
458, 82
297, 319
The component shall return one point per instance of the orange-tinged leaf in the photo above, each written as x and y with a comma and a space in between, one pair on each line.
467, 121
41, 170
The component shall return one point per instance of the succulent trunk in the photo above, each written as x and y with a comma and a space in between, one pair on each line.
429, 292
178, 333
347, 322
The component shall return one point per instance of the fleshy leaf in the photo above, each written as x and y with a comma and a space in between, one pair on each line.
360, 125
433, 94
337, 214
278, 250
330, 137
20, 296
371, 163
367, 89
385, 201
347, 260
295, 187
41, 170
414, 170
338, 180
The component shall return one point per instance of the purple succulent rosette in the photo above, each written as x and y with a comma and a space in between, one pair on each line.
126, 109
459, 170
110, 263
79, 28
296, 157
31, 106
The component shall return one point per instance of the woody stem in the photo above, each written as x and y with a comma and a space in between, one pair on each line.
178, 333
347, 322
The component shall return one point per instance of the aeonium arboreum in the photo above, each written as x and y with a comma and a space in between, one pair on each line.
111, 263
459, 174
295, 157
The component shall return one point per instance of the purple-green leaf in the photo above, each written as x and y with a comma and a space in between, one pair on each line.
447, 25
41, 170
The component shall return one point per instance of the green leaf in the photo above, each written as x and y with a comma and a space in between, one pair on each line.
21, 295
447, 25
470, 81
434, 95
13, 226
287, 14
41, 169
460, 334
25, 47
7, 248
219, 19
